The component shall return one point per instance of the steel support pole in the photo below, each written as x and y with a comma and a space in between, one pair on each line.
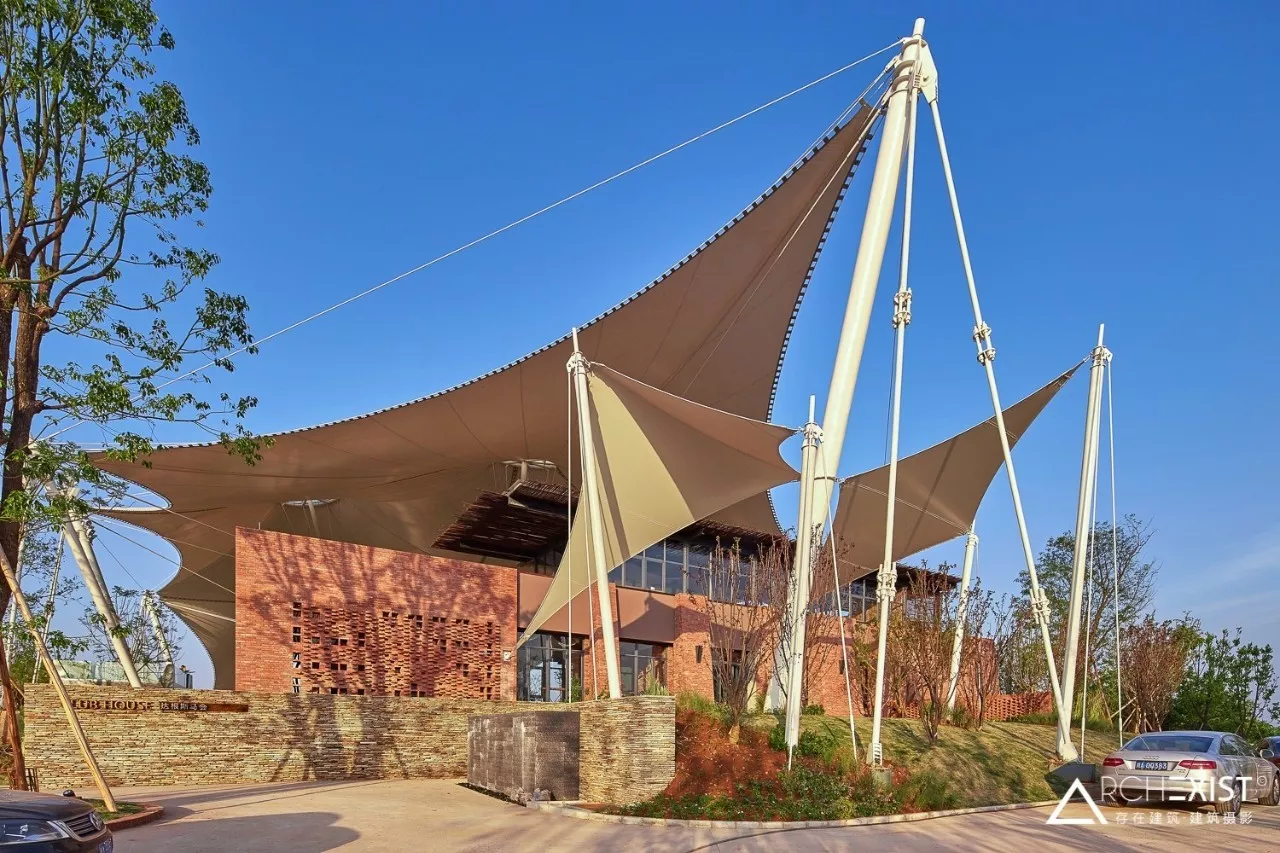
803, 576
1084, 528
13, 612
51, 599
862, 287
577, 367
82, 550
887, 576
166, 652
55, 678
962, 614
986, 357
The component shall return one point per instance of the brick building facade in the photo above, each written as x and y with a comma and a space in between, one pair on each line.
319, 616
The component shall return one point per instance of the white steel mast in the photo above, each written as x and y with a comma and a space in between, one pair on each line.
577, 367
857, 318
962, 615
1084, 529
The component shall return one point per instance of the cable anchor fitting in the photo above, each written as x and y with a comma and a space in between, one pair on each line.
886, 582
986, 350
1040, 605
902, 308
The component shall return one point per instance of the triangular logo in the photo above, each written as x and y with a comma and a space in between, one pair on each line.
1076, 788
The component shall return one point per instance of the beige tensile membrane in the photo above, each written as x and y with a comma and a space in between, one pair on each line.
712, 330
939, 490
662, 463
699, 348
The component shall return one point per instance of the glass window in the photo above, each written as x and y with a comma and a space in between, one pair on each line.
633, 572
1171, 743
541, 669
653, 562
642, 667
673, 579
724, 669
698, 562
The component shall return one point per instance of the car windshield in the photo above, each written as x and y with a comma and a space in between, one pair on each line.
1171, 743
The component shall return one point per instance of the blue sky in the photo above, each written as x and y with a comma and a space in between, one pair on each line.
1114, 165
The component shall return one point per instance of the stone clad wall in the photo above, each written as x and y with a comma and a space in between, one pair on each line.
628, 748
517, 754
280, 737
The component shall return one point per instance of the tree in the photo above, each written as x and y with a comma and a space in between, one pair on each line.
101, 196
138, 632
1155, 659
1136, 578
45, 586
988, 633
743, 626
1020, 658
1229, 685
923, 628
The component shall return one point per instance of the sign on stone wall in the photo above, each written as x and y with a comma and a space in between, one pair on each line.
134, 706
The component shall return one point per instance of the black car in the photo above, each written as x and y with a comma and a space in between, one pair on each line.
1273, 744
40, 823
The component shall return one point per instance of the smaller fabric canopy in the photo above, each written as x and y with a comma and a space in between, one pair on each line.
939, 490
662, 463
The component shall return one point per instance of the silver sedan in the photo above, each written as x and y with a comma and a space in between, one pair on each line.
1190, 767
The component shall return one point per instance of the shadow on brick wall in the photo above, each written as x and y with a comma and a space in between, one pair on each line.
316, 616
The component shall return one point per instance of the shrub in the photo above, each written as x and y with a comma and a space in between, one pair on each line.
655, 688
700, 704
961, 718
927, 791
814, 711
844, 762
1093, 724
778, 738
815, 795
817, 745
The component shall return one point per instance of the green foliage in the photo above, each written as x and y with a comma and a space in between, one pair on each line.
810, 743
101, 195
653, 687
1023, 669
817, 745
1093, 724
1229, 685
799, 794
699, 704
961, 718
927, 791
814, 710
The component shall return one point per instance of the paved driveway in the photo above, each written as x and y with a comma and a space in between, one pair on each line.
441, 816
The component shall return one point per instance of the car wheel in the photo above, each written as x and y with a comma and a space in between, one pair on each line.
1231, 806
1272, 796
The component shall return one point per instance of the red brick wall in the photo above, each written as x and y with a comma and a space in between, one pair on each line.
349, 619
685, 673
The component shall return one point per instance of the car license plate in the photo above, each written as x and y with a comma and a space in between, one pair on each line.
106, 846
1151, 765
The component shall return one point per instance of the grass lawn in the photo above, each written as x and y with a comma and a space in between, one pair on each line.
1001, 763
125, 808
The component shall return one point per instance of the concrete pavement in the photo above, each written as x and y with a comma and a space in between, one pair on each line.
442, 816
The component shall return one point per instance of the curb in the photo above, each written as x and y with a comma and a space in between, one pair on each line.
148, 814
579, 813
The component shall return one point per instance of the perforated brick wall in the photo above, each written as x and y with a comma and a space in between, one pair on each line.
315, 616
